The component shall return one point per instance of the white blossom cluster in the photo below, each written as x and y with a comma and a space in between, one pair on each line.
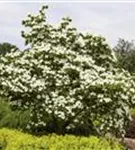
67, 79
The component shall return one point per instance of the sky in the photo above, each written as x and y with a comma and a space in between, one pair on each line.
110, 20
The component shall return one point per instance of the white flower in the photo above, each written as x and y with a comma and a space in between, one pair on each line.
38, 96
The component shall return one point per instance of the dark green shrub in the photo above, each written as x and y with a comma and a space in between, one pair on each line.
12, 118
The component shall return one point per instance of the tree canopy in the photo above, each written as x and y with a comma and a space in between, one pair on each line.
125, 52
6, 48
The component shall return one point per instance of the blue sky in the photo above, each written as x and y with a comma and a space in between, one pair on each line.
111, 20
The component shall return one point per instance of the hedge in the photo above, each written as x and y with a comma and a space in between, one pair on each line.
16, 140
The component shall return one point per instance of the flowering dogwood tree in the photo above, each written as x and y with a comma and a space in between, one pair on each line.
67, 80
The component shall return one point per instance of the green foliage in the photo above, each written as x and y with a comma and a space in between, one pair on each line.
12, 118
67, 80
14, 140
132, 111
6, 48
125, 52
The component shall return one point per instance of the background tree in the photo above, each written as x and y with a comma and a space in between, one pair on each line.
125, 52
6, 48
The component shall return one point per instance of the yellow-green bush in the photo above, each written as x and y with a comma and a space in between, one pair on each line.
15, 140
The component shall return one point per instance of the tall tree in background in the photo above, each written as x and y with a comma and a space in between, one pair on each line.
6, 48
125, 52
